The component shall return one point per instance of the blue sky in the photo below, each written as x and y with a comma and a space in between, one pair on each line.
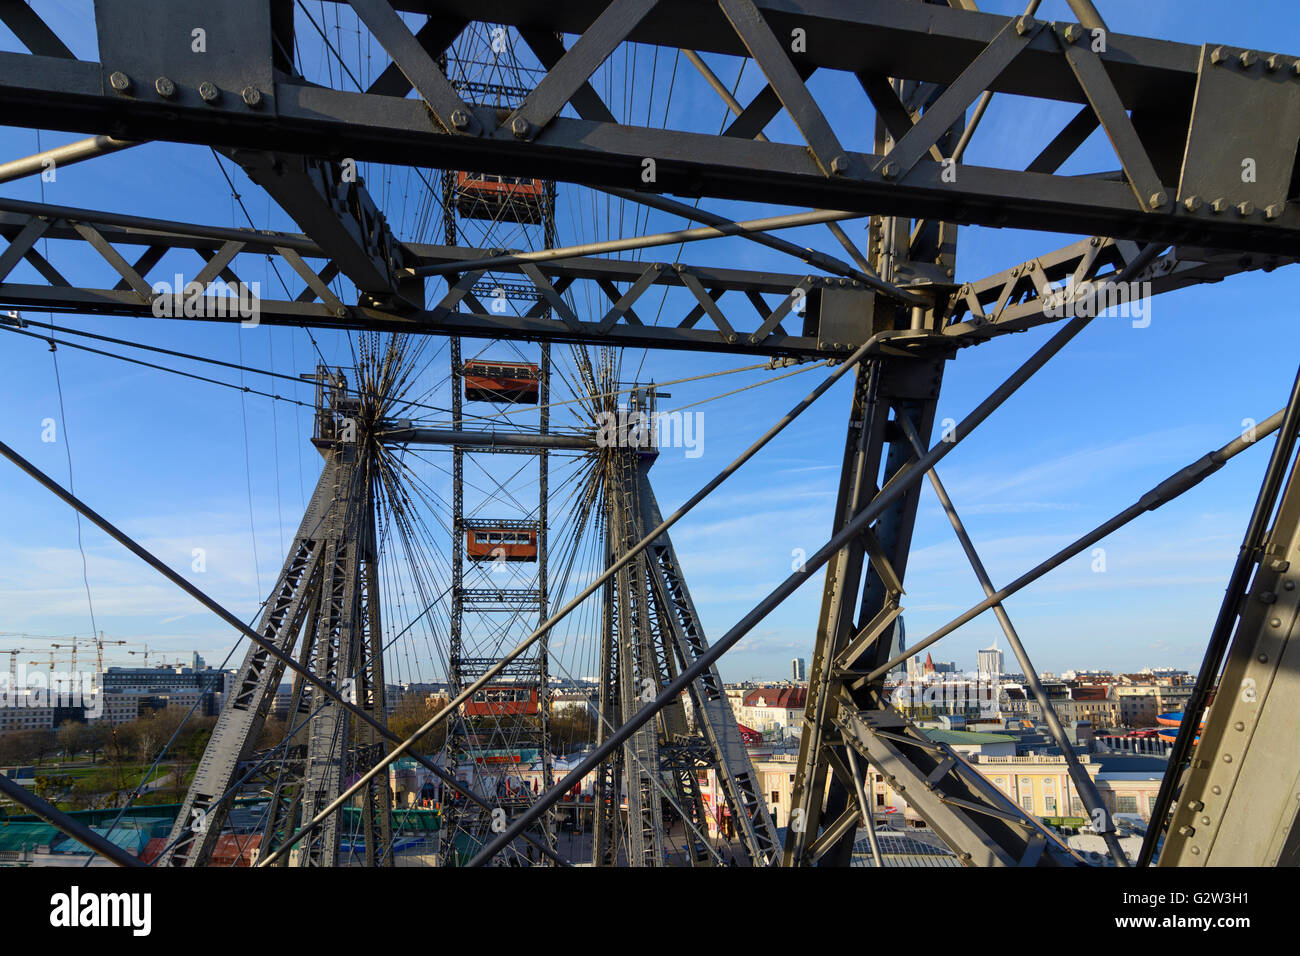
170, 461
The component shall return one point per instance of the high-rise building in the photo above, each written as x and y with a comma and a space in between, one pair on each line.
989, 661
798, 670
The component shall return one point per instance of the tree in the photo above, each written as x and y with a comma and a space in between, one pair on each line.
31, 746
572, 730
72, 737
96, 738
413, 712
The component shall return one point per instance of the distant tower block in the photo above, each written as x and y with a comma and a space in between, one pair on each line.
989, 661
798, 670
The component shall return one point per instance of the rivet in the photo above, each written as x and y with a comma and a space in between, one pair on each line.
1227, 758
1275, 622
1262, 658
1196, 851
1239, 725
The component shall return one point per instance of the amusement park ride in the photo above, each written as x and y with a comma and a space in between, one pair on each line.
1176, 212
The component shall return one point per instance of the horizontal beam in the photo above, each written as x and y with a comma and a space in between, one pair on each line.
491, 439
1174, 96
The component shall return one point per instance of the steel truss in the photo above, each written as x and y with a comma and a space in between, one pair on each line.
1176, 212
468, 736
652, 633
1165, 107
327, 592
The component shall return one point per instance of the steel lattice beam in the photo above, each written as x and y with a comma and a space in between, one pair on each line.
1145, 93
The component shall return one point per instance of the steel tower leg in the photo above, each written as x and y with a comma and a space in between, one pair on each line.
206, 802
680, 624
1239, 803
637, 676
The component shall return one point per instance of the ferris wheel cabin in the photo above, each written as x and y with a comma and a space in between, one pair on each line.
503, 700
501, 540
511, 383
500, 198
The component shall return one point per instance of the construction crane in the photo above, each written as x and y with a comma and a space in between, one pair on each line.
13, 653
135, 653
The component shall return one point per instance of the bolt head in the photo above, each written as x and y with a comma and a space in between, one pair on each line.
1247, 58
119, 81
1071, 32
252, 97
520, 127
1219, 205
1274, 63
840, 165
1024, 24
1274, 210
1218, 55
1158, 199
164, 87
208, 92
1245, 208
889, 170
1192, 203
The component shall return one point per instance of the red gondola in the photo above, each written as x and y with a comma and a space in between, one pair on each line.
503, 700
500, 198
501, 544
507, 382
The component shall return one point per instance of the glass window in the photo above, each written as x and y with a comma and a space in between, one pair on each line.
1126, 803
1027, 802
